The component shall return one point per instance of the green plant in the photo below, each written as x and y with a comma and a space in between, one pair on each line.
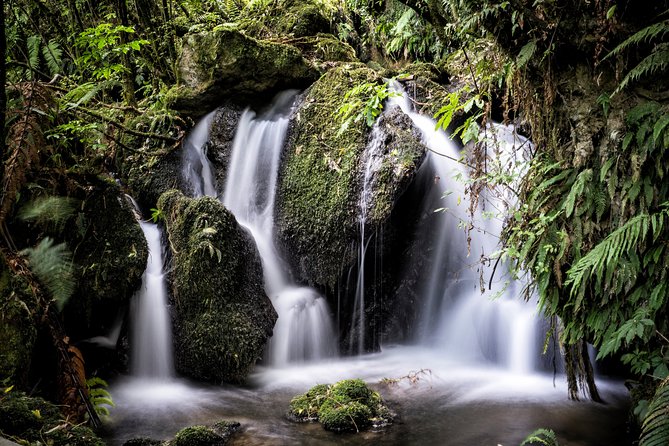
52, 265
49, 211
99, 396
157, 215
655, 426
544, 437
364, 101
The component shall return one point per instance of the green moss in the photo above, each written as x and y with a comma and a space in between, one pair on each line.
197, 436
350, 416
317, 195
223, 317
347, 406
225, 63
18, 330
141, 441
296, 18
37, 420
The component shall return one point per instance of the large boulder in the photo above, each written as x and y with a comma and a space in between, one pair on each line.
110, 251
223, 318
322, 175
225, 63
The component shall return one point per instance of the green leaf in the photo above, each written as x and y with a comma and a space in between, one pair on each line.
53, 54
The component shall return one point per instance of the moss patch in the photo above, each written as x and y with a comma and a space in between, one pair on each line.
317, 194
37, 420
223, 317
347, 406
225, 63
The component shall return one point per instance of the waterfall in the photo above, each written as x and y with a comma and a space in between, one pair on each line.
457, 318
197, 170
373, 158
304, 330
151, 346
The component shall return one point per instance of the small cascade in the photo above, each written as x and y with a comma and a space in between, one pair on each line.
151, 345
197, 170
373, 159
304, 329
457, 318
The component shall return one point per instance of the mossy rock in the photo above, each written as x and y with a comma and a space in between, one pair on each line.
346, 406
142, 441
318, 200
111, 253
225, 63
37, 420
197, 436
222, 316
18, 330
294, 18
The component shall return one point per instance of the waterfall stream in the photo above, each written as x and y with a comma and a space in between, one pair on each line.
151, 325
304, 330
457, 318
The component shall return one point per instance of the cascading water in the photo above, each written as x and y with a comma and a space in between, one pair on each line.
373, 160
197, 170
151, 330
457, 318
304, 329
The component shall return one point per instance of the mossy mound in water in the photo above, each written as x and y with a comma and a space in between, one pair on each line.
223, 317
37, 421
216, 435
347, 406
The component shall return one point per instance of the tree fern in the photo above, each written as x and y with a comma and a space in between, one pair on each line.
655, 427
52, 265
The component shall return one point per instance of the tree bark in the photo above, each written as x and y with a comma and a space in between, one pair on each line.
3, 92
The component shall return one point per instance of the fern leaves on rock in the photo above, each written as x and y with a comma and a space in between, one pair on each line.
655, 427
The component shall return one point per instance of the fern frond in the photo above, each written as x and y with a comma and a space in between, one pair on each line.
33, 43
52, 265
648, 34
526, 53
49, 210
655, 426
99, 395
656, 61
602, 260
53, 54
82, 94
544, 437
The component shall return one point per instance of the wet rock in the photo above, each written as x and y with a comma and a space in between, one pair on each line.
225, 63
222, 317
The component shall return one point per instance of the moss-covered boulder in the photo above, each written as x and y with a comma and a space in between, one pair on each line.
225, 63
294, 18
18, 330
318, 201
223, 317
347, 406
38, 421
110, 251
215, 435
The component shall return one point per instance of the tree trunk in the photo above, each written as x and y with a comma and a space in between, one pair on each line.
3, 93
129, 72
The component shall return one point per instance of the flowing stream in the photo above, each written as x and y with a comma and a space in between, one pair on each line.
471, 379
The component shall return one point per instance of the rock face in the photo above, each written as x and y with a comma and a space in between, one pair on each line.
222, 317
111, 256
225, 63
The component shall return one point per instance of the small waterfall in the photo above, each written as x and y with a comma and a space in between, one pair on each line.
151, 346
304, 329
373, 159
197, 170
457, 318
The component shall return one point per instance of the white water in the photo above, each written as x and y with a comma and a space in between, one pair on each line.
457, 318
304, 329
197, 170
151, 344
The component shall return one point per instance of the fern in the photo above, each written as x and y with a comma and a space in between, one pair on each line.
50, 210
33, 43
544, 437
656, 61
605, 256
526, 53
655, 426
99, 395
647, 34
52, 265
53, 54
